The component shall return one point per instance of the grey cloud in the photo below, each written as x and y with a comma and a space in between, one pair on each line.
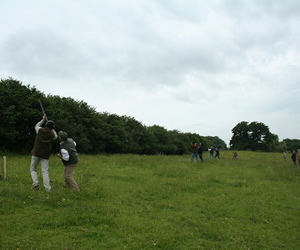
30, 52
44, 52
226, 56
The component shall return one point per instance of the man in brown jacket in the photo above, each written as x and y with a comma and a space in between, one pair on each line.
41, 152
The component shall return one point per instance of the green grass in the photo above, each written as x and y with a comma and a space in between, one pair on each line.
148, 202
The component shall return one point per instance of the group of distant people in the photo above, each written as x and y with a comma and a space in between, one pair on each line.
295, 156
198, 151
42, 150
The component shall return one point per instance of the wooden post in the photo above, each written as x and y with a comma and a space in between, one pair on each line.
4, 167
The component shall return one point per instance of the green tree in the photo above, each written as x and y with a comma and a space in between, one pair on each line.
162, 141
18, 106
93, 132
214, 141
291, 144
179, 143
240, 136
253, 136
137, 138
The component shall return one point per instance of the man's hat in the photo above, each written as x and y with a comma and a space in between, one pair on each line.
63, 135
50, 124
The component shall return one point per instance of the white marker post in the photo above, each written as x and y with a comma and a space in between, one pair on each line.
4, 167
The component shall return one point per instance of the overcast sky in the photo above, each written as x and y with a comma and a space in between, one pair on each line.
196, 66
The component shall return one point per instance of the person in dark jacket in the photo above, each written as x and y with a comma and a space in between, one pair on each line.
41, 152
217, 153
294, 157
69, 157
200, 151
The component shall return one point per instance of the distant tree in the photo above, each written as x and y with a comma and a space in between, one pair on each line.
74, 117
115, 133
291, 144
259, 136
161, 139
240, 136
93, 132
253, 136
281, 146
18, 105
215, 141
179, 144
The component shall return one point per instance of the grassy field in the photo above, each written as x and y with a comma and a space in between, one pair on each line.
148, 202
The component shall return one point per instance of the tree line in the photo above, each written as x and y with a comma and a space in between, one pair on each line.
256, 136
94, 132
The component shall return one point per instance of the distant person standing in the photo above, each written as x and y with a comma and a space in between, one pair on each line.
217, 153
294, 157
284, 156
195, 152
211, 152
69, 156
298, 157
41, 152
200, 151
235, 155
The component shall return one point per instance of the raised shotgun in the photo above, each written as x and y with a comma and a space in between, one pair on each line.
44, 113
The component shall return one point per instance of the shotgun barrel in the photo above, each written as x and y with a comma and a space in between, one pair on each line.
44, 113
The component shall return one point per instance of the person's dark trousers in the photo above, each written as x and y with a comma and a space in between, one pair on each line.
200, 156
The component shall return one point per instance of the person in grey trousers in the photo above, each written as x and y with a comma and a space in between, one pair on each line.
41, 152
